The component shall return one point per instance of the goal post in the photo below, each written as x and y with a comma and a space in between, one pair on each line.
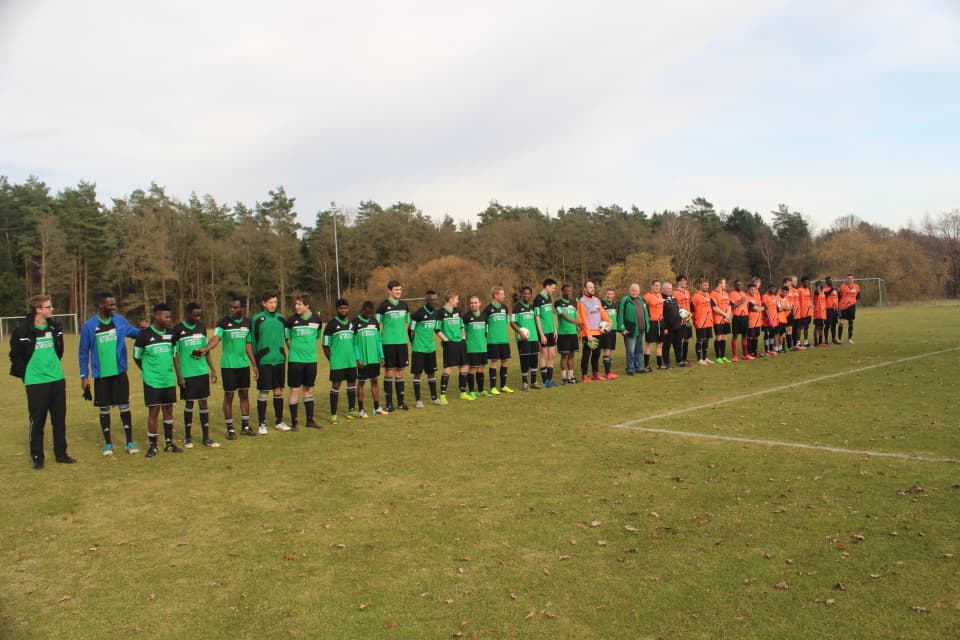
69, 321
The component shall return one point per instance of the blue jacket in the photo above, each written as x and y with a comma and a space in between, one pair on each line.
88, 345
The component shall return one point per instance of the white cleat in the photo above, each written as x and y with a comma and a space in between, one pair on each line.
262, 430
282, 426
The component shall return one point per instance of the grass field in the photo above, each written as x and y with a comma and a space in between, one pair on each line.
521, 516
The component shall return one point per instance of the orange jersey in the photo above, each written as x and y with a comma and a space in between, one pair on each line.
771, 315
785, 308
721, 307
738, 302
754, 306
833, 301
590, 313
702, 310
654, 305
683, 298
803, 309
793, 300
849, 295
820, 306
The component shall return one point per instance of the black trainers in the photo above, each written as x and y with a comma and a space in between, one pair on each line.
231, 434
293, 427
311, 424
151, 451
66, 460
172, 448
213, 444
403, 406
389, 408
188, 442
38, 464
247, 431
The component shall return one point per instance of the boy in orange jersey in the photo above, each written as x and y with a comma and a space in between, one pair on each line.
771, 321
682, 294
754, 306
849, 295
803, 313
702, 305
833, 310
741, 320
655, 333
721, 321
784, 315
819, 315
789, 333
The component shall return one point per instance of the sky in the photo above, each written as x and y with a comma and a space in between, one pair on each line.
831, 107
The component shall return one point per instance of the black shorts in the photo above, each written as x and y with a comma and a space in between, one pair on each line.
339, 375
271, 377
705, 333
568, 343
527, 347
423, 362
370, 371
780, 330
806, 322
753, 332
832, 315
741, 324
498, 351
551, 340
654, 333
608, 340
154, 397
686, 331
721, 329
195, 388
819, 322
301, 374
395, 356
455, 355
477, 359
850, 313
111, 391
235, 379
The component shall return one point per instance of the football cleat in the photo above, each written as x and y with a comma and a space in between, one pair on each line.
213, 444
107, 450
131, 448
172, 448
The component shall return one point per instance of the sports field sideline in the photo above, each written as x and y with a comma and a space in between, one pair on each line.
528, 515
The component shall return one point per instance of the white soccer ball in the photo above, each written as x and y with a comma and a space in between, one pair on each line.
604, 326
524, 333
684, 314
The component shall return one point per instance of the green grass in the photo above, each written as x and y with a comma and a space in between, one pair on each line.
479, 519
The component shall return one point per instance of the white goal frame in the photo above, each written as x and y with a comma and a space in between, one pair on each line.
74, 322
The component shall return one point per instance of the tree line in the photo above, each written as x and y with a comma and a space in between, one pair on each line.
151, 247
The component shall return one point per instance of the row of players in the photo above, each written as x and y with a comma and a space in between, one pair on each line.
281, 351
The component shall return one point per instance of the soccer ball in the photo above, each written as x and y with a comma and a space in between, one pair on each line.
604, 326
684, 314
524, 333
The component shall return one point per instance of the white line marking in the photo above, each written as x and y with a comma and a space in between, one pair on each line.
631, 424
746, 396
792, 445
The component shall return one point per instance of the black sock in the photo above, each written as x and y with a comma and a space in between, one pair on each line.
549, 374
503, 377
278, 408
685, 349
261, 411
152, 438
334, 397
493, 377
533, 369
308, 408
351, 397
850, 332
244, 422
229, 424
462, 382
470, 382
432, 383
660, 361
607, 364
127, 420
444, 381
479, 377
294, 408
105, 426
168, 431
205, 423
584, 360
646, 360
388, 391
398, 383
545, 373
188, 419
416, 388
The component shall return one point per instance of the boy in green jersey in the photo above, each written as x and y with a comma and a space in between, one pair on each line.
368, 351
608, 340
302, 333
194, 366
567, 339
423, 329
451, 333
546, 330
524, 324
498, 340
393, 314
269, 337
339, 350
475, 330
233, 331
36, 347
153, 354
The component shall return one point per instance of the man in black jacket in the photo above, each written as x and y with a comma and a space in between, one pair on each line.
672, 323
36, 348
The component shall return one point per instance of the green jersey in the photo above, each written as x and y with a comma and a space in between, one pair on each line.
338, 337
423, 326
187, 338
154, 351
44, 364
393, 316
475, 326
524, 316
612, 309
234, 337
498, 320
303, 333
269, 334
450, 325
566, 317
106, 338
367, 345
543, 309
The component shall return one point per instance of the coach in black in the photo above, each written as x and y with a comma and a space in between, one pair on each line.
36, 348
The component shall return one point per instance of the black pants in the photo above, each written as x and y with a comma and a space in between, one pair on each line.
674, 338
44, 398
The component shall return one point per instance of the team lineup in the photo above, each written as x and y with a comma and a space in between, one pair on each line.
277, 352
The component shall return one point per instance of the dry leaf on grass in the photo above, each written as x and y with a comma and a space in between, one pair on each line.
782, 585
